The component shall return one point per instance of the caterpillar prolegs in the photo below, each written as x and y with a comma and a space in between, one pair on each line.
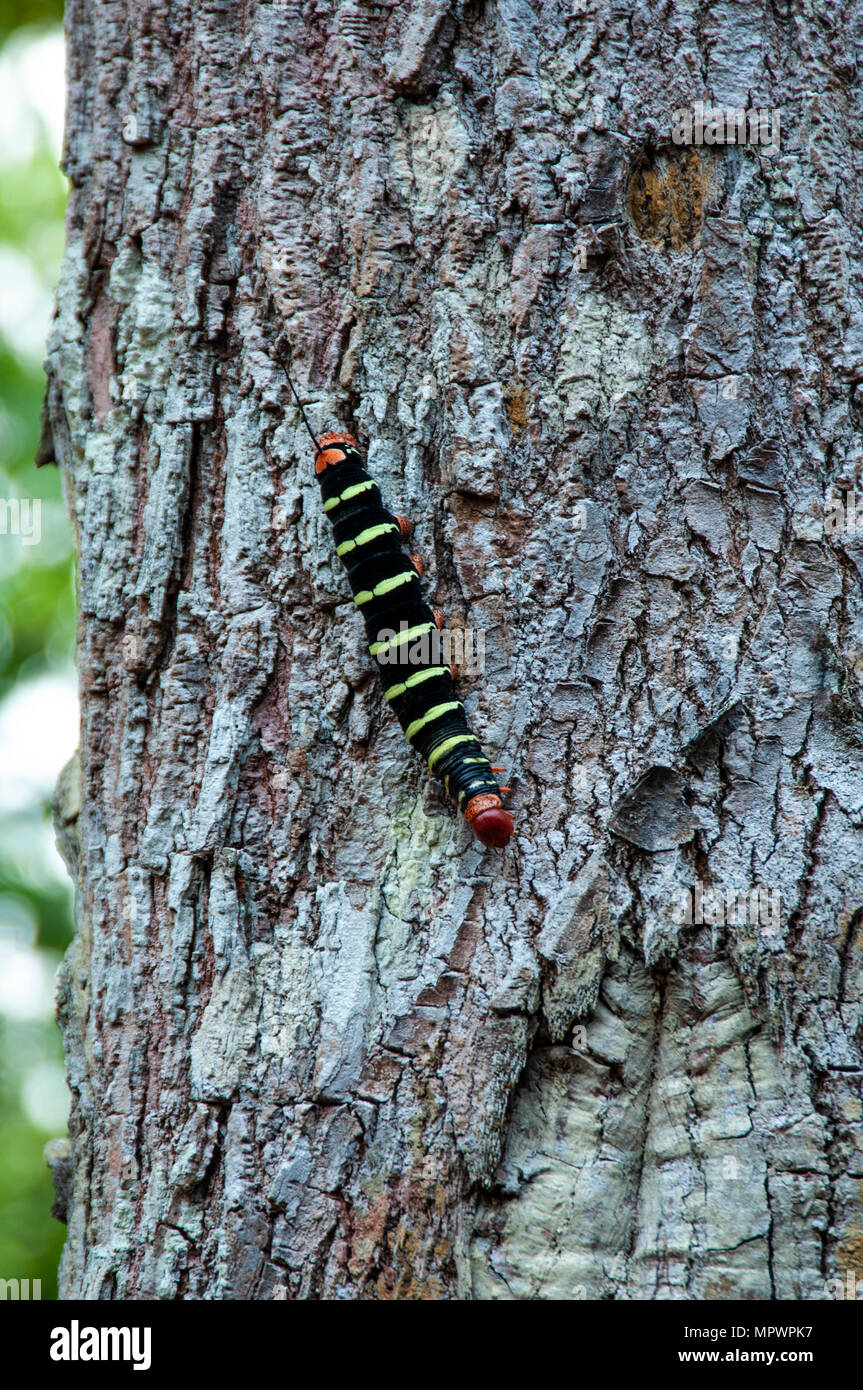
400, 627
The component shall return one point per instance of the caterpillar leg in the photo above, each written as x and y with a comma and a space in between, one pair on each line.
405, 526
417, 562
439, 618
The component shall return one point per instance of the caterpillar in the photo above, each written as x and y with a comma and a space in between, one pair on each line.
402, 636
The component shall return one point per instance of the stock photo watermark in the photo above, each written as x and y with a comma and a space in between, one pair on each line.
707, 906
843, 515
416, 646
845, 1286
709, 125
21, 1290
21, 516
77, 1343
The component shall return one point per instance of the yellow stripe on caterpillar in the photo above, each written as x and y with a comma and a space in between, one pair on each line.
386, 586
401, 638
371, 533
348, 493
471, 786
434, 713
447, 746
395, 691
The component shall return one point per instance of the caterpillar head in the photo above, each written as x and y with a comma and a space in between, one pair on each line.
333, 448
490, 823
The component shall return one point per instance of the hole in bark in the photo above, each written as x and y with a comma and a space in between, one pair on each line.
667, 194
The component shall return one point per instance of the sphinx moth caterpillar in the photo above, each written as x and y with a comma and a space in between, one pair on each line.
401, 630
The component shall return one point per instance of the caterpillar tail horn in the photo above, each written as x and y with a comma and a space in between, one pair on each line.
490, 823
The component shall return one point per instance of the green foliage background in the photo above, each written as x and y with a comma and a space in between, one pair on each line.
36, 636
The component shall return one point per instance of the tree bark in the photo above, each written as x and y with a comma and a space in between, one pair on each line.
319, 1043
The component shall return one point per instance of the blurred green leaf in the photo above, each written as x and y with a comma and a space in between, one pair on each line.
37, 625
19, 14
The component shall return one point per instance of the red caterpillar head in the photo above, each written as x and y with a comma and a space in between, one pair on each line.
490, 823
329, 451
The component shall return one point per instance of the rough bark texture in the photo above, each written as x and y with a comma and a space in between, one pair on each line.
319, 1044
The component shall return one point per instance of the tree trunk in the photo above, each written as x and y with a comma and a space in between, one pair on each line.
320, 1044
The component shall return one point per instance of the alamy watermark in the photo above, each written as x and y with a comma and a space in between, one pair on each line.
77, 1343
21, 516
843, 515
706, 906
845, 1286
21, 1290
414, 646
708, 125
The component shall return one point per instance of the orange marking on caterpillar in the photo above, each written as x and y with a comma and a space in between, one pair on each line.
327, 456
337, 437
